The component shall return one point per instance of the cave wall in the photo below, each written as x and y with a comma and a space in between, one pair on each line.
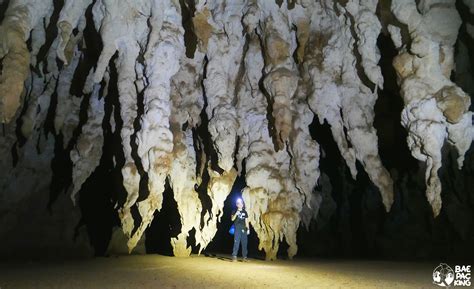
107, 104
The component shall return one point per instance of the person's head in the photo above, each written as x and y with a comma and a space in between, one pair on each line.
239, 203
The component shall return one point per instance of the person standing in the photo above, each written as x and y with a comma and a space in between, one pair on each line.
241, 225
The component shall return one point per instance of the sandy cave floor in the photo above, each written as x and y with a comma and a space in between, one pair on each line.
156, 271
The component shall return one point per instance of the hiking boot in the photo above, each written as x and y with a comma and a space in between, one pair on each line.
245, 259
234, 258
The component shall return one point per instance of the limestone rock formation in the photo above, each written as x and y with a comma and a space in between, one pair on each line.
86, 155
193, 94
20, 19
186, 107
435, 108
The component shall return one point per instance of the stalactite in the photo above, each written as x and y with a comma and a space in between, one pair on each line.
122, 30
281, 76
44, 84
20, 18
128, 112
358, 100
323, 65
367, 28
272, 196
224, 53
256, 147
86, 154
262, 71
182, 180
155, 139
219, 29
435, 108
304, 152
339, 93
67, 109
71, 16
218, 189
187, 104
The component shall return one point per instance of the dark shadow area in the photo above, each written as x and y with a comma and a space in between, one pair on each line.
190, 39
166, 224
100, 191
3, 9
393, 148
97, 208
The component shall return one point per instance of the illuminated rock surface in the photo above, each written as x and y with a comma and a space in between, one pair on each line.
435, 108
149, 95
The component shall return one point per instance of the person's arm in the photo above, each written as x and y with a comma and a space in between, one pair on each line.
247, 223
233, 216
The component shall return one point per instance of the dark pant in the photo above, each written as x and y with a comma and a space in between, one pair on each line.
240, 237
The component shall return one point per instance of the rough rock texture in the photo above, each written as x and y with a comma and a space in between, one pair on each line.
155, 139
192, 94
224, 54
71, 17
187, 105
435, 108
20, 19
264, 182
340, 92
88, 150
281, 77
68, 106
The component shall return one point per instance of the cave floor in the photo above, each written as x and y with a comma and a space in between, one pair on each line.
156, 271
